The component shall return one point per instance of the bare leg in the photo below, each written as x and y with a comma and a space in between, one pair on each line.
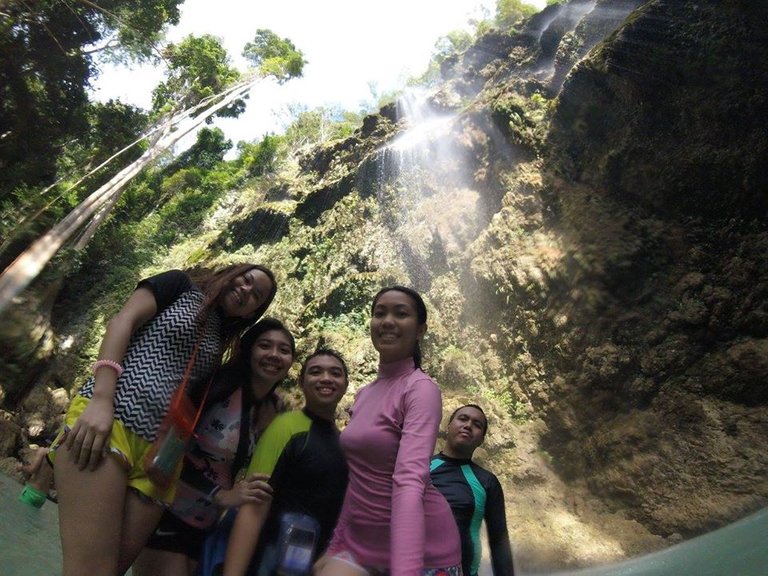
141, 518
335, 567
91, 504
163, 563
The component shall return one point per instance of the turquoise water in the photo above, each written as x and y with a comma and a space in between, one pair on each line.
29, 537
739, 549
29, 546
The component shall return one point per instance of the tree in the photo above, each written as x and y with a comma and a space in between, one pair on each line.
46, 62
91, 212
274, 56
198, 68
207, 151
262, 158
133, 30
508, 12
445, 47
112, 126
311, 127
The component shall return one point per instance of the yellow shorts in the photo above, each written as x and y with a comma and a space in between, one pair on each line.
129, 448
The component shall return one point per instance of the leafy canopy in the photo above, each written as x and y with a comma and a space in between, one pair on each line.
274, 56
198, 68
312, 127
508, 12
47, 51
137, 27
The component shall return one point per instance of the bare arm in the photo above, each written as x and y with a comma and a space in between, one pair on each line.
253, 489
244, 538
86, 441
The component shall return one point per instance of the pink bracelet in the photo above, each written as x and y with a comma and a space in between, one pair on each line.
110, 364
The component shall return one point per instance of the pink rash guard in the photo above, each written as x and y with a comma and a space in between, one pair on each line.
392, 516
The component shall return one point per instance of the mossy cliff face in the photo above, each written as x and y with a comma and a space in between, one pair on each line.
655, 181
596, 267
589, 231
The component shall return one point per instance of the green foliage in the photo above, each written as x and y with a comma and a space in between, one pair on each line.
198, 68
509, 12
262, 158
499, 394
446, 46
274, 56
139, 27
186, 210
207, 151
26, 212
317, 126
113, 126
522, 119
452, 43
46, 48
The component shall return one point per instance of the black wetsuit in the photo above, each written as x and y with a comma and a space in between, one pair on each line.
308, 472
474, 495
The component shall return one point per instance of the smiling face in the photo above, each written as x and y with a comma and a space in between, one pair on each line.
245, 294
465, 432
395, 327
271, 357
324, 383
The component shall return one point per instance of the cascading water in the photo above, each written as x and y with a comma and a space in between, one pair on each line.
424, 181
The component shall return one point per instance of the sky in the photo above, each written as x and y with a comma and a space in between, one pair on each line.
355, 51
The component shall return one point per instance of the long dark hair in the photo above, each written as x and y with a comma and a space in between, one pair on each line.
421, 313
212, 283
236, 372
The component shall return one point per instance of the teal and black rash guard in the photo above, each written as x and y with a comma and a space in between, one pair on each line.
474, 495
302, 455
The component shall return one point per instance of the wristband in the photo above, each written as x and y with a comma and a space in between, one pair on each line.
108, 363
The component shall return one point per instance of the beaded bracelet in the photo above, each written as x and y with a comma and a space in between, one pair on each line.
110, 364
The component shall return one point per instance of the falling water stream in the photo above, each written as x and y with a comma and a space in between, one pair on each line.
425, 175
425, 183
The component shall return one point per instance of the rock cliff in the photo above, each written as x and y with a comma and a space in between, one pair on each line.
583, 202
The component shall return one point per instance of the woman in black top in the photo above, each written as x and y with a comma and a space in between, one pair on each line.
107, 505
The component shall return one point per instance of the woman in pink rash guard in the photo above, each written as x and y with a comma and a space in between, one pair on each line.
393, 521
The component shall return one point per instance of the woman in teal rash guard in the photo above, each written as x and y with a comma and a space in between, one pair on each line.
473, 492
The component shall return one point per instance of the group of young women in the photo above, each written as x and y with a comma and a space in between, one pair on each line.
175, 328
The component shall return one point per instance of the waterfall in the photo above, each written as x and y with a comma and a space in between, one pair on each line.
424, 182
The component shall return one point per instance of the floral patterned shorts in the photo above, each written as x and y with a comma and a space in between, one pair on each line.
452, 571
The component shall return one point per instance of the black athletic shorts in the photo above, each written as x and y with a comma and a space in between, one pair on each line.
175, 535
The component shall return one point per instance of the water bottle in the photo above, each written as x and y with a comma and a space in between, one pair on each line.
32, 496
297, 543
